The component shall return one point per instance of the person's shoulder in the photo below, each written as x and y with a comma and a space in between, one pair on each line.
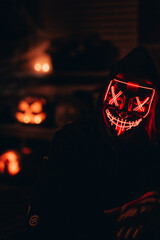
75, 129
74, 137
71, 142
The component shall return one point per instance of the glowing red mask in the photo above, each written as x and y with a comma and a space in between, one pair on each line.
126, 104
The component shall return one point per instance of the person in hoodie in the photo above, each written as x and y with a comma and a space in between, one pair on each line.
101, 179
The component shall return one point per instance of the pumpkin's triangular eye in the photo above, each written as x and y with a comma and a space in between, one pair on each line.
36, 107
23, 106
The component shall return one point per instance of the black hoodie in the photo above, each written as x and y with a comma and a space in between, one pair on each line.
138, 62
88, 172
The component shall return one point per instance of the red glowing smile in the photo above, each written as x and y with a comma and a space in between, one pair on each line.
121, 125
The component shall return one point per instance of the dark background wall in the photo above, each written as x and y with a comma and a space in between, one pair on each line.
26, 24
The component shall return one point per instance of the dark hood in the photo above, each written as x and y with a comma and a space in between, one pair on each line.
138, 62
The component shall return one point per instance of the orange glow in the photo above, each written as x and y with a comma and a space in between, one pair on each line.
36, 107
13, 168
26, 119
23, 105
31, 111
10, 159
45, 67
2, 166
20, 117
10, 155
37, 119
38, 67
42, 64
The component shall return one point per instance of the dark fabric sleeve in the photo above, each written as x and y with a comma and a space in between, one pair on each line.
46, 210
67, 198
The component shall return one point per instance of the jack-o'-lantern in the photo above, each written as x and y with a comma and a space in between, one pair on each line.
30, 110
9, 162
42, 64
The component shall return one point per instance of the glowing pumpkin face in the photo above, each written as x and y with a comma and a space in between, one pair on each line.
10, 161
30, 111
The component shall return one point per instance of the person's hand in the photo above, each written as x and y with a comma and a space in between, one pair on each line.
139, 215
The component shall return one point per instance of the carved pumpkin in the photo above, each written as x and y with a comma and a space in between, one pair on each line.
42, 64
9, 161
30, 110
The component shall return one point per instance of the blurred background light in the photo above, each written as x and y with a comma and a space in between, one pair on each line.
42, 64
45, 67
30, 110
10, 162
37, 67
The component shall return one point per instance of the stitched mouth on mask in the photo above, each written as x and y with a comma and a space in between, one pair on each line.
121, 124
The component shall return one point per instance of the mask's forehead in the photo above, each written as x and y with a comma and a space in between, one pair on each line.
130, 89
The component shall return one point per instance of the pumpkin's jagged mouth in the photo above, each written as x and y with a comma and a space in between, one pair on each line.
121, 124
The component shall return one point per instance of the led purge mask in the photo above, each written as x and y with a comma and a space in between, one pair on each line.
125, 105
